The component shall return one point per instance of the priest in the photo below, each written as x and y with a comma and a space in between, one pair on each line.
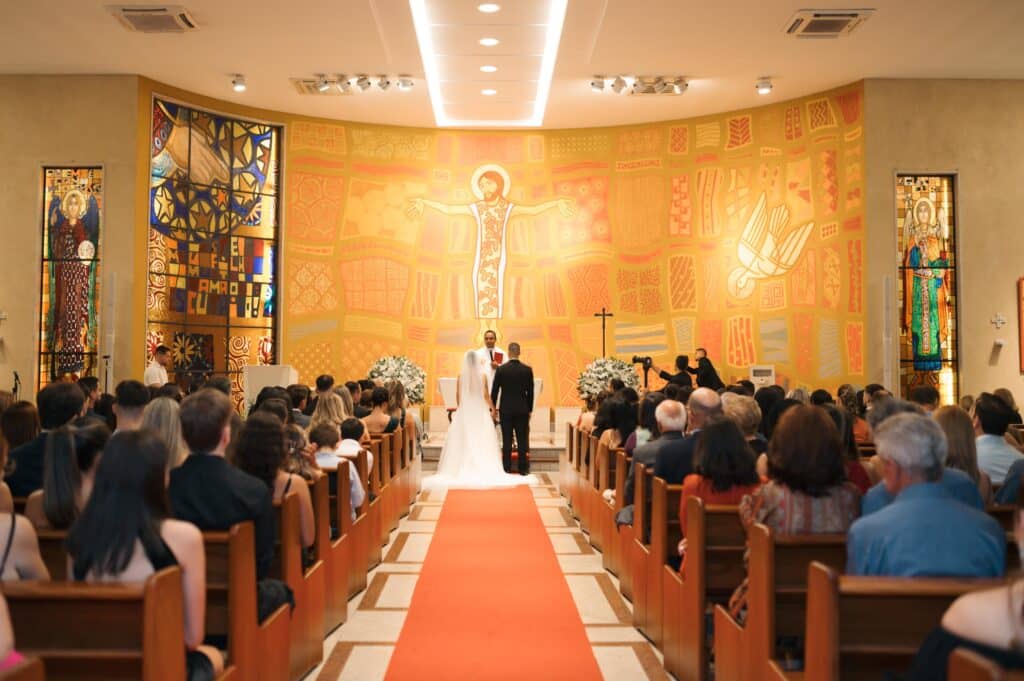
491, 356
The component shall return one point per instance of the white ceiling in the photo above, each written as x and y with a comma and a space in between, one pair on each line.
722, 46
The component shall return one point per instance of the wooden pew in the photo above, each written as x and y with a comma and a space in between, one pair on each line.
89, 632
333, 553
374, 509
867, 626
308, 585
19, 504
258, 650
640, 552
626, 533
580, 498
609, 478
715, 543
565, 459
597, 505
29, 669
51, 547
665, 536
967, 665
776, 599
1005, 514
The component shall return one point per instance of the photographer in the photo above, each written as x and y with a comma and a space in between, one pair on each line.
683, 377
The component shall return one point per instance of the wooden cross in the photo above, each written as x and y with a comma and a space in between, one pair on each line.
604, 315
999, 321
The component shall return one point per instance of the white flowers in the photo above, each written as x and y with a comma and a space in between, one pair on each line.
595, 377
405, 371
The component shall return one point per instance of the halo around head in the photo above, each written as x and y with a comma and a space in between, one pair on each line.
81, 202
931, 210
474, 183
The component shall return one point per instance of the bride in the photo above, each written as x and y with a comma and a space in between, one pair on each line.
471, 458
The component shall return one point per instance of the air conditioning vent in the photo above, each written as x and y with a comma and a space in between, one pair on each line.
154, 19
311, 86
826, 23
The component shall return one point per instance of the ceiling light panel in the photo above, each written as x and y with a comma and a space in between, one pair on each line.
448, 33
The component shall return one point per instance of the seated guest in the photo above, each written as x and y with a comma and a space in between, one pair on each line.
963, 452
324, 385
171, 391
585, 422
299, 395
924, 532
671, 418
767, 397
221, 384
621, 422
647, 427
615, 385
269, 392
800, 395
967, 403
299, 458
987, 622
90, 386
848, 400
260, 451
926, 396
348, 406
19, 424
130, 486
59, 403
163, 417
991, 420
19, 550
682, 375
69, 469
209, 492
820, 398
326, 441
723, 467
398, 405
353, 439
279, 408
130, 399
1011, 484
330, 410
675, 461
778, 409
104, 409
744, 412
380, 419
1006, 396
356, 392
855, 471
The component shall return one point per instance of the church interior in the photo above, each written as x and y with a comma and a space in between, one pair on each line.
753, 256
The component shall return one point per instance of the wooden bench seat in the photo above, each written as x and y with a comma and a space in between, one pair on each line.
776, 599
338, 548
29, 669
259, 650
103, 632
665, 537
51, 548
967, 665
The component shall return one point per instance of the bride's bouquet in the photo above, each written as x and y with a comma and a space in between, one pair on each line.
595, 377
405, 371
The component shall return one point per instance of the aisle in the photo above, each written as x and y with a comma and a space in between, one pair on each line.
492, 597
362, 649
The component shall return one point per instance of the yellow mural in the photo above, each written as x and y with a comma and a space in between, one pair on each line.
740, 232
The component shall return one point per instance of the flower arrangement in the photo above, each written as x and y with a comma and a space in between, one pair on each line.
405, 371
595, 377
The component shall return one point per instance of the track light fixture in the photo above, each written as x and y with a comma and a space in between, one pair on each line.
763, 86
322, 84
640, 85
344, 84
383, 83
619, 84
238, 83
597, 85
405, 84
363, 83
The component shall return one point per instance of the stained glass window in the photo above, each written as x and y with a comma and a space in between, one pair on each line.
926, 232
69, 326
213, 230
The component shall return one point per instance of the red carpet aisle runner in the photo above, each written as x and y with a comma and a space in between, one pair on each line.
491, 602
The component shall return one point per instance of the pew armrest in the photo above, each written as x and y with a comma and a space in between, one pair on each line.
730, 655
774, 672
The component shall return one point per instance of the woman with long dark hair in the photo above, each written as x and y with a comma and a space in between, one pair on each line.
70, 458
647, 426
124, 534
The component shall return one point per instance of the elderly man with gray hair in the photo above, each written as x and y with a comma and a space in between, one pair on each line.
671, 417
925, 531
676, 462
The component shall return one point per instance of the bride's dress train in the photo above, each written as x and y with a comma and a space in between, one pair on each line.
471, 457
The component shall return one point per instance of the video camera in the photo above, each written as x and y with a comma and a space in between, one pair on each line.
645, 361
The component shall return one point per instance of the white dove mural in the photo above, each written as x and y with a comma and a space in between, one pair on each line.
766, 247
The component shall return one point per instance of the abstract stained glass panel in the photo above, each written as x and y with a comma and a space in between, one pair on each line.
926, 225
213, 238
69, 324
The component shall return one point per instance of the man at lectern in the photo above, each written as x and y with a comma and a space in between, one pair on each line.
491, 356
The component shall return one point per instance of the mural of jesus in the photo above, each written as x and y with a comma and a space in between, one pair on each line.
492, 211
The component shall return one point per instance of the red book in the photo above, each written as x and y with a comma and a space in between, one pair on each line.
498, 357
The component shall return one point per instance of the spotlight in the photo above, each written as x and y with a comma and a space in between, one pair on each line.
489, 42
660, 85
363, 83
618, 85
597, 85
679, 86
322, 84
763, 86
489, 7
489, 92
405, 84
344, 83
487, 68
383, 83
238, 83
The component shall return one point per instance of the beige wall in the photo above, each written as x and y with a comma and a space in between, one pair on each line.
72, 120
976, 129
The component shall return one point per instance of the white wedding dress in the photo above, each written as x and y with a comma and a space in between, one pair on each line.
471, 457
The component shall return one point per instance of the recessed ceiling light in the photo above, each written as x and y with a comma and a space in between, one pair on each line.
487, 68
489, 92
763, 86
489, 42
489, 7
238, 83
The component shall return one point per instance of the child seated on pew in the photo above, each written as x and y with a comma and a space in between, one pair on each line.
131, 486
353, 440
326, 440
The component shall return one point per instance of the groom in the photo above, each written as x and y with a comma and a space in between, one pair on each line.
514, 382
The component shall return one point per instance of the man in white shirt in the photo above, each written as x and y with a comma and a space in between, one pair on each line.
325, 438
491, 356
156, 372
353, 433
991, 419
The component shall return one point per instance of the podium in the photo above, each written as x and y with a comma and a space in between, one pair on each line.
258, 377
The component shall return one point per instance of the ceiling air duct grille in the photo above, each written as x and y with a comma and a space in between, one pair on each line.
826, 23
154, 18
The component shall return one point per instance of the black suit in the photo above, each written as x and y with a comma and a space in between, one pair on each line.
673, 460
513, 381
707, 376
213, 495
27, 461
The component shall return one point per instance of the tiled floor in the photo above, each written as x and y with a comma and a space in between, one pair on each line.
361, 648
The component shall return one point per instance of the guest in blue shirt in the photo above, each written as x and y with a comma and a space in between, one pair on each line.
991, 419
1007, 494
957, 484
925, 531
